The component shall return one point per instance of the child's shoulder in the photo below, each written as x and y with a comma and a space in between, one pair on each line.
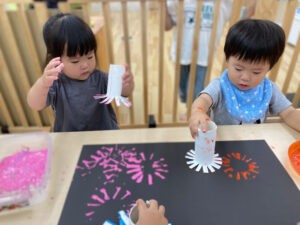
215, 81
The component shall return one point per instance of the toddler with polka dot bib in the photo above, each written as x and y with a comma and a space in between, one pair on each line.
243, 94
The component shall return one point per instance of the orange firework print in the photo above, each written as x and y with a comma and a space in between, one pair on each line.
239, 167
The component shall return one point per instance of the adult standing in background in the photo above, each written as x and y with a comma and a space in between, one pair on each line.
53, 4
189, 13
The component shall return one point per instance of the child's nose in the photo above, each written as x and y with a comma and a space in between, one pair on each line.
84, 64
246, 76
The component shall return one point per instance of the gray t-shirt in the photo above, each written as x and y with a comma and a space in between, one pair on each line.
219, 112
76, 109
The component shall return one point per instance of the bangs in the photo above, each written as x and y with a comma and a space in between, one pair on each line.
255, 41
253, 51
80, 42
69, 34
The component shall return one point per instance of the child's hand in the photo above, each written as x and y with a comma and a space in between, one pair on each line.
51, 71
127, 82
197, 118
152, 214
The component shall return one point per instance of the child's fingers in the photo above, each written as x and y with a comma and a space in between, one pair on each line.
141, 204
194, 124
153, 204
126, 68
60, 67
127, 81
51, 72
203, 126
127, 74
126, 78
54, 71
53, 63
203, 122
162, 209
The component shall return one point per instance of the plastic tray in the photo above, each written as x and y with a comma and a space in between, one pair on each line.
294, 155
25, 161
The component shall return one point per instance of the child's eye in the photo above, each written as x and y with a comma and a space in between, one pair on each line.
74, 62
256, 73
238, 69
91, 57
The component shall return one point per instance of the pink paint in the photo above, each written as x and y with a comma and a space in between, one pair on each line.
158, 168
22, 170
105, 194
118, 189
118, 194
97, 198
89, 213
127, 194
150, 179
117, 160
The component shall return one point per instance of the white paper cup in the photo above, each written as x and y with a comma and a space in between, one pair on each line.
205, 144
134, 214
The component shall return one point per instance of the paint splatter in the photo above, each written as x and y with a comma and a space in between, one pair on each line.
239, 167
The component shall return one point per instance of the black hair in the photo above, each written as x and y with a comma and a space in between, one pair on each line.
65, 31
255, 40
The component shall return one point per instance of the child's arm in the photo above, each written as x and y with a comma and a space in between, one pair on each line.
291, 117
152, 215
37, 95
127, 82
199, 113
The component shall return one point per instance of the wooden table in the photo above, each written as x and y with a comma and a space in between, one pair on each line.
67, 148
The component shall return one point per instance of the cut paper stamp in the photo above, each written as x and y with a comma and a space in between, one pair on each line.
204, 157
114, 87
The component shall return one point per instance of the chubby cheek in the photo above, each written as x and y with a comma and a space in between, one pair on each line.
71, 69
257, 81
93, 64
233, 76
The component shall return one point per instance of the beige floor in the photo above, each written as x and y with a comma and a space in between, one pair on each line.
153, 69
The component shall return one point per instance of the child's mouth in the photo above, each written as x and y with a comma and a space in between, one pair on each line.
85, 74
243, 86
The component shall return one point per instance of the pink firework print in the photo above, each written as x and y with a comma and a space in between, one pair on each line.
114, 160
157, 167
109, 163
102, 196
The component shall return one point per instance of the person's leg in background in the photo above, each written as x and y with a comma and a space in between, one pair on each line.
183, 82
200, 79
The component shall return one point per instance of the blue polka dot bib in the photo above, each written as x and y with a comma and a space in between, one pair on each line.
247, 106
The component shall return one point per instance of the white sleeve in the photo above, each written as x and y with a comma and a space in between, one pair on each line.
213, 89
172, 8
223, 18
279, 101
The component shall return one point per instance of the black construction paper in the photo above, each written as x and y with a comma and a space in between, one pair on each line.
251, 188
